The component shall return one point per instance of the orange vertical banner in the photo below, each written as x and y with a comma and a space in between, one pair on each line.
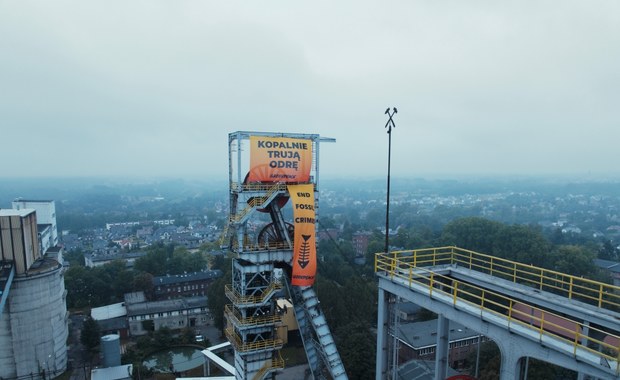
304, 250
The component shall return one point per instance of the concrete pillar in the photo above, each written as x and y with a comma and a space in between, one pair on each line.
510, 367
382, 335
584, 341
443, 346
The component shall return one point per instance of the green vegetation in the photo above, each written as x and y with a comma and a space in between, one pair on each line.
490, 361
347, 290
525, 244
216, 297
103, 285
167, 259
90, 335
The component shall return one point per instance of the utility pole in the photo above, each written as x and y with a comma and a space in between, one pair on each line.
389, 125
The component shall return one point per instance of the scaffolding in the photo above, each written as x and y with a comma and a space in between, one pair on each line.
261, 241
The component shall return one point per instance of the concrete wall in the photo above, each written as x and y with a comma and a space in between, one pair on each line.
33, 328
18, 238
174, 322
7, 362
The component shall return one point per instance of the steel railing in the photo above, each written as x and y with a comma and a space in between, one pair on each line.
236, 318
596, 293
254, 247
245, 347
416, 268
257, 201
275, 363
237, 298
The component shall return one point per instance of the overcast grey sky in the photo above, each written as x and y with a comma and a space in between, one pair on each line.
152, 88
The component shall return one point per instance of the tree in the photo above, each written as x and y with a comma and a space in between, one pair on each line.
166, 259
74, 258
155, 261
540, 370
220, 262
187, 336
521, 243
375, 245
574, 260
76, 283
476, 234
216, 299
608, 252
357, 347
162, 338
90, 334
143, 282
489, 361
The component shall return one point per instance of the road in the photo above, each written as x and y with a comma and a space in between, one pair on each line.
75, 352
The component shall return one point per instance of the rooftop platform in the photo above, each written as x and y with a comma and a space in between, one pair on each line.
562, 319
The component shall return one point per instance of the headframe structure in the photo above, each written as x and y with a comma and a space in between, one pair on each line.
262, 243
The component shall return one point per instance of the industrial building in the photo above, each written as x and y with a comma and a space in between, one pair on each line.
92, 260
266, 170
46, 220
418, 340
174, 314
184, 285
33, 310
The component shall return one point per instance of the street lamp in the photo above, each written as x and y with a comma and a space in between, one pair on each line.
389, 125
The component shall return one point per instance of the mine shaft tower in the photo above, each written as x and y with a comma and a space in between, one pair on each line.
262, 243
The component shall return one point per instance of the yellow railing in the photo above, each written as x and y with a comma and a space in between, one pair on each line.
415, 268
275, 363
238, 298
224, 234
572, 287
250, 246
236, 317
257, 201
241, 346
235, 186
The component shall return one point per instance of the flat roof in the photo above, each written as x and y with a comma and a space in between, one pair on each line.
115, 256
109, 311
112, 373
166, 305
13, 212
187, 277
32, 200
424, 334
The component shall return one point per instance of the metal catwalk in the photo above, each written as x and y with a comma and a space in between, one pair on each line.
528, 311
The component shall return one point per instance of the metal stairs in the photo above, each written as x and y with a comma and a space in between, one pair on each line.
305, 330
317, 338
258, 202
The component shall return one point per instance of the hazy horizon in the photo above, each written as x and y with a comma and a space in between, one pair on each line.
150, 88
